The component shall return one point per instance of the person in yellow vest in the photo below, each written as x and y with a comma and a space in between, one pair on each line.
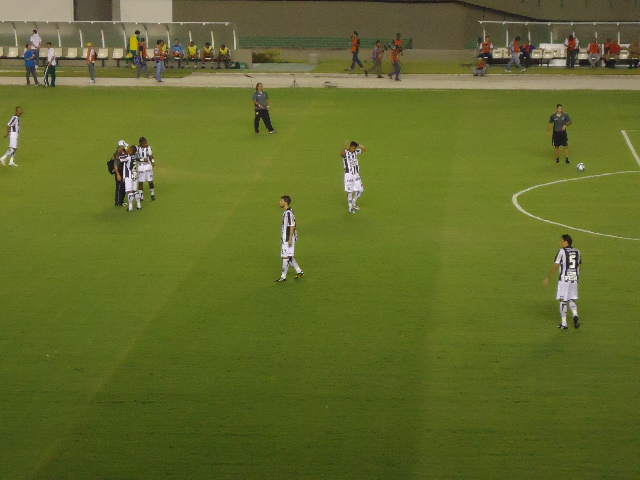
207, 54
224, 57
192, 54
134, 41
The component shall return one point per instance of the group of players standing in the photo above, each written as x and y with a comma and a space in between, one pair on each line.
132, 166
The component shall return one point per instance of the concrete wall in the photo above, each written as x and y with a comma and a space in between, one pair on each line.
142, 11
567, 10
93, 10
37, 10
431, 25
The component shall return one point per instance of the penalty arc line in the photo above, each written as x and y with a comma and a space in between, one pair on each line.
514, 200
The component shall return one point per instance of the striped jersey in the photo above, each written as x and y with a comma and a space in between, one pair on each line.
145, 153
569, 260
14, 124
129, 165
351, 161
288, 221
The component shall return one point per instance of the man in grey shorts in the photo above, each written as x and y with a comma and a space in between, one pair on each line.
560, 121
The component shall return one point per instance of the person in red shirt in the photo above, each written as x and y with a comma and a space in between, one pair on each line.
573, 46
515, 56
91, 62
481, 68
486, 49
594, 55
395, 61
355, 48
611, 49
525, 54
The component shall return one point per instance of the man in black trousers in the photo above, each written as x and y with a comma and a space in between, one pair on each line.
117, 167
261, 104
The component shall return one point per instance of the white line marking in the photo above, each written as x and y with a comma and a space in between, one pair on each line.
630, 145
514, 200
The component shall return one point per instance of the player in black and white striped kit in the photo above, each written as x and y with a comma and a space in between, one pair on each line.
145, 168
13, 132
569, 260
129, 161
352, 181
289, 237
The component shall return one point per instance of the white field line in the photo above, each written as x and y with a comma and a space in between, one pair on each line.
514, 200
630, 145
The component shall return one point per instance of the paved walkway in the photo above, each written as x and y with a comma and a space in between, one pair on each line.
514, 81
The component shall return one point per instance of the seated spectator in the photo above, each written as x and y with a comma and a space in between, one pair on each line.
594, 53
192, 54
177, 53
611, 50
207, 54
481, 68
486, 49
634, 54
224, 57
573, 46
525, 54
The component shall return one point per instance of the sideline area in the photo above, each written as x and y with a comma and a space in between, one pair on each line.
336, 80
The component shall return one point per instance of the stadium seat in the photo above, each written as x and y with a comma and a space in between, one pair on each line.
150, 54
103, 54
499, 53
1, 52
547, 56
43, 52
72, 53
536, 55
13, 52
117, 55
57, 52
583, 54
623, 55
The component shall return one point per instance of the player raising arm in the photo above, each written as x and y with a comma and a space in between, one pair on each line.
352, 181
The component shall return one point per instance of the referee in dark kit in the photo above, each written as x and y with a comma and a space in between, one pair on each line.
560, 121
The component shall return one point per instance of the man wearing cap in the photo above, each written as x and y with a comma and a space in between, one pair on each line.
91, 62
119, 154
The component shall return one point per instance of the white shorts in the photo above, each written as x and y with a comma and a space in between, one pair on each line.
287, 250
352, 183
130, 184
567, 291
145, 175
13, 140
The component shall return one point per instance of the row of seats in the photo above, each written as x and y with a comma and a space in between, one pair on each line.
117, 54
551, 53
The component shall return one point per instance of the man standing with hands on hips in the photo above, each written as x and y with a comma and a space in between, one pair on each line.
261, 104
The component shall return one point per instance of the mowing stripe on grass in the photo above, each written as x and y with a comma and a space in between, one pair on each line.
514, 200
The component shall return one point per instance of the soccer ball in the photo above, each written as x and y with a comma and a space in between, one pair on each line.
581, 167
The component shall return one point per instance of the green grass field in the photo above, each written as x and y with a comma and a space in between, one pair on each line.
421, 343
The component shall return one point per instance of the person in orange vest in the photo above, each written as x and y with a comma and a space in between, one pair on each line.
395, 61
486, 49
573, 46
515, 56
594, 53
611, 50
91, 62
480, 69
355, 49
525, 54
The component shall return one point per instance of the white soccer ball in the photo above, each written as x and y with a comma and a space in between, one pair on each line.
581, 167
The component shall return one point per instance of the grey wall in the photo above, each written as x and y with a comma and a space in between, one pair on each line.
431, 25
568, 10
93, 10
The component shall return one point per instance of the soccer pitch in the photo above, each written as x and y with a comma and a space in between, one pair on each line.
420, 343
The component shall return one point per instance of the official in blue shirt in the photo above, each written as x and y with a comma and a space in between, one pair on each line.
30, 64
